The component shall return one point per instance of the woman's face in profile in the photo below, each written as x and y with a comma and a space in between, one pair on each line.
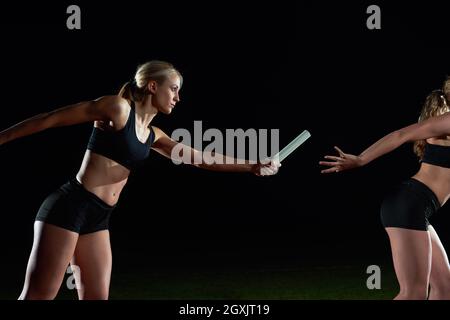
167, 94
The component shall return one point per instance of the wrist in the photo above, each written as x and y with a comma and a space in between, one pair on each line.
253, 168
362, 160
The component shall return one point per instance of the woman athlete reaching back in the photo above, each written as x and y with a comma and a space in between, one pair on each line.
420, 260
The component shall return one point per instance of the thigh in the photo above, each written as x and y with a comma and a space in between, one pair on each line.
92, 263
440, 269
52, 250
411, 252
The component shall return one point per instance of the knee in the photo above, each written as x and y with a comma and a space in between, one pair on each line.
38, 293
411, 295
413, 292
36, 289
94, 293
440, 290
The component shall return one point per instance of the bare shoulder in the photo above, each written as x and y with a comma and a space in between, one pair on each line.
114, 105
159, 133
114, 108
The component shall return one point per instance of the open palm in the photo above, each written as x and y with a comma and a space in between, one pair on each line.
342, 162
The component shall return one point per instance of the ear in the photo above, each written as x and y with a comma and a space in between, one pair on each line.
152, 86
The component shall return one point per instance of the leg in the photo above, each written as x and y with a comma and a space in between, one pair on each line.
440, 269
52, 250
411, 252
93, 261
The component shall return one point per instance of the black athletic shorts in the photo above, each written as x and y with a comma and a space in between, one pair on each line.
74, 208
409, 206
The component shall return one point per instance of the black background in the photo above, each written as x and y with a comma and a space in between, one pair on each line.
311, 65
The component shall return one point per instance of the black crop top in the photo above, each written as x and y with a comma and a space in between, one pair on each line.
437, 155
122, 146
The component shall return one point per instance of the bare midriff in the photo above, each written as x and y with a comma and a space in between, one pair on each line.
103, 177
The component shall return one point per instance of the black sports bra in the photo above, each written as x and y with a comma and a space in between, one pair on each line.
437, 155
122, 146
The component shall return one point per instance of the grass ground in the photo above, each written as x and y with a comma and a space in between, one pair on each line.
318, 283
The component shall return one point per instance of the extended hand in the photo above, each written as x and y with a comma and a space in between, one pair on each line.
345, 161
267, 169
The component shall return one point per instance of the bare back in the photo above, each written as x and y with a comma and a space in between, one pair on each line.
435, 177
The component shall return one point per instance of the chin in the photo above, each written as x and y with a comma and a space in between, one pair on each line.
167, 110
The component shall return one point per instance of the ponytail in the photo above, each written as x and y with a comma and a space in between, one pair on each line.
131, 91
435, 105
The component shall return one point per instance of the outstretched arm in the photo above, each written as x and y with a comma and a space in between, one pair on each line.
433, 127
180, 153
104, 108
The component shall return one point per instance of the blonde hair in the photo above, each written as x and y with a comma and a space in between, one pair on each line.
136, 89
436, 103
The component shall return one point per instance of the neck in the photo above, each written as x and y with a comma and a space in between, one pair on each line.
145, 111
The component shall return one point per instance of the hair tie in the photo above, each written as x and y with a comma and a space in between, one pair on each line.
132, 83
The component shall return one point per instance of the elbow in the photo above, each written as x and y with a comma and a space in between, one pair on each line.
198, 165
205, 165
45, 121
401, 136
416, 132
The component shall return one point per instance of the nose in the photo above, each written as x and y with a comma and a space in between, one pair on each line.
176, 98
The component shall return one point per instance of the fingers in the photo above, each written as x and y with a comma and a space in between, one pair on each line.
327, 163
270, 168
331, 170
275, 163
334, 158
270, 162
341, 153
266, 171
338, 164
